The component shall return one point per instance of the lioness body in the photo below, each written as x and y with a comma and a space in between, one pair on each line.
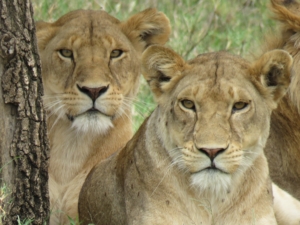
199, 158
91, 72
135, 194
283, 147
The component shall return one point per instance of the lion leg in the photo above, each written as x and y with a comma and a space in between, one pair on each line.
286, 207
70, 198
55, 201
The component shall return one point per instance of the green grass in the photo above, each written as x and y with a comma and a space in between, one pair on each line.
198, 26
4, 192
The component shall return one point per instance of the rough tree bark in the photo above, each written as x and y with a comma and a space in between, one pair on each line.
24, 148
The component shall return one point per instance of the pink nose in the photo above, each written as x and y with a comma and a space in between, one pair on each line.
93, 93
212, 152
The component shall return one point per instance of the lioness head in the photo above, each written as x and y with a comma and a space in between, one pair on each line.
90, 64
214, 111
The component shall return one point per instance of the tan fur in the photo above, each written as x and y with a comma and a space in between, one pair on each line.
164, 175
283, 147
286, 207
88, 96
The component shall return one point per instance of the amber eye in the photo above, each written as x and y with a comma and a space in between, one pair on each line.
188, 104
116, 53
66, 53
239, 106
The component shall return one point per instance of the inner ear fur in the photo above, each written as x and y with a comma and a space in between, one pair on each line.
162, 68
273, 71
147, 28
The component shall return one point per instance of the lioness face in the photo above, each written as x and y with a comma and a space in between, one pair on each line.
91, 66
217, 121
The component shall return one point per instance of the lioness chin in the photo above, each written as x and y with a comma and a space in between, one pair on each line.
198, 159
91, 71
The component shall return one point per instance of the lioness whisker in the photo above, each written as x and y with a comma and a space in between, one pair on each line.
127, 105
165, 174
53, 96
123, 113
139, 107
50, 105
169, 167
143, 104
59, 116
137, 100
55, 111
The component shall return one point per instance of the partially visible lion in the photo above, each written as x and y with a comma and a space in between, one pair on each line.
198, 159
283, 147
91, 72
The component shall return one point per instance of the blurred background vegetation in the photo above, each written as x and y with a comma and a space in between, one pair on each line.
198, 26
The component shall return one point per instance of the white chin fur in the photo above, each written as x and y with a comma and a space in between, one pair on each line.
95, 123
212, 183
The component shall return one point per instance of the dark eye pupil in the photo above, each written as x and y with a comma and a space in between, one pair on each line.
188, 104
239, 105
66, 53
116, 53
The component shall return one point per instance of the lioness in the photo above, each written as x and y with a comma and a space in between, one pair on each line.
198, 159
283, 147
91, 72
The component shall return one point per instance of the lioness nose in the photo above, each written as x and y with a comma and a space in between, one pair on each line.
212, 152
93, 93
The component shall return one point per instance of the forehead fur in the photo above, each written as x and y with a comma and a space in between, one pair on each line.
87, 26
93, 25
215, 74
86, 16
218, 65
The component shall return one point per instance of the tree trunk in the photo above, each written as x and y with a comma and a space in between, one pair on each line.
24, 148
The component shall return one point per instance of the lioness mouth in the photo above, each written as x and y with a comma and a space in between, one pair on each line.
211, 168
214, 170
71, 118
91, 111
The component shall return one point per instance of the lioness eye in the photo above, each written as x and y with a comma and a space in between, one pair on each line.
66, 53
188, 104
116, 53
239, 106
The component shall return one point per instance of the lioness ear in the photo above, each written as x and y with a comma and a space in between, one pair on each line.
147, 28
273, 71
162, 68
44, 32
